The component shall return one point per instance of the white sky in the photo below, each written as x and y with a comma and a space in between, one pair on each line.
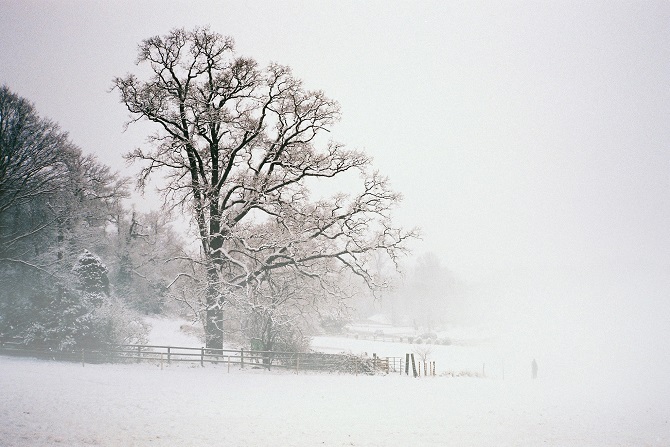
530, 139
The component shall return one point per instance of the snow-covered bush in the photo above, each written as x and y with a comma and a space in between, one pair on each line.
280, 334
62, 323
92, 276
77, 312
334, 324
113, 322
75, 320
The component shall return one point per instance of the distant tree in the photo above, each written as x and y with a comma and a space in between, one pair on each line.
431, 286
430, 294
239, 145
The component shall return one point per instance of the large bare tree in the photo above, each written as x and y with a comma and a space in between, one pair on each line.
237, 145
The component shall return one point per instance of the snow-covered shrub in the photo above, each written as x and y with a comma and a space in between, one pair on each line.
92, 276
278, 334
72, 322
62, 323
334, 324
292, 341
113, 322
78, 312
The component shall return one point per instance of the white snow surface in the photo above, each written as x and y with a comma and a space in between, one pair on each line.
168, 332
46, 403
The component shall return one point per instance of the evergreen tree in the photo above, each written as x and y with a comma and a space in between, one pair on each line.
92, 277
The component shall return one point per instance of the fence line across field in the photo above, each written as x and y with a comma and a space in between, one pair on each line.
166, 355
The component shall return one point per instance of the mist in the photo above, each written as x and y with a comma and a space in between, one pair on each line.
529, 142
581, 326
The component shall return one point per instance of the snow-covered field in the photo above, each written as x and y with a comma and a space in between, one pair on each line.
46, 403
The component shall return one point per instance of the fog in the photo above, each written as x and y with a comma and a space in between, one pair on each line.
529, 140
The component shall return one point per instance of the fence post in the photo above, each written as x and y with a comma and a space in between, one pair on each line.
297, 364
413, 365
202, 356
242, 358
139, 353
169, 355
82, 357
406, 365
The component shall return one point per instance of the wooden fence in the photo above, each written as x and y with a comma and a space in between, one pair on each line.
241, 358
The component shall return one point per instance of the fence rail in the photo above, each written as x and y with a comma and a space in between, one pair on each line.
242, 358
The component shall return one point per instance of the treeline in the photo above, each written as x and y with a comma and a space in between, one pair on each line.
76, 265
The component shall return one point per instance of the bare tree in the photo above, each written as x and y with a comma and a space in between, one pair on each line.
237, 145
31, 159
32, 171
47, 185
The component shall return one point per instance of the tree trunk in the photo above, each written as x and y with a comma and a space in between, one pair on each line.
267, 342
214, 328
214, 313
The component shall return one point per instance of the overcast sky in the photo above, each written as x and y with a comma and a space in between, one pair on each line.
530, 139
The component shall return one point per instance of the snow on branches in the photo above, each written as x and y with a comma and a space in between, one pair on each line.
238, 145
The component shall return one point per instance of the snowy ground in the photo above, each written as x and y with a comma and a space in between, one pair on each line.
173, 332
46, 403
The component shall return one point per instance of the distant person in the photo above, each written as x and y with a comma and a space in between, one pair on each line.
533, 367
